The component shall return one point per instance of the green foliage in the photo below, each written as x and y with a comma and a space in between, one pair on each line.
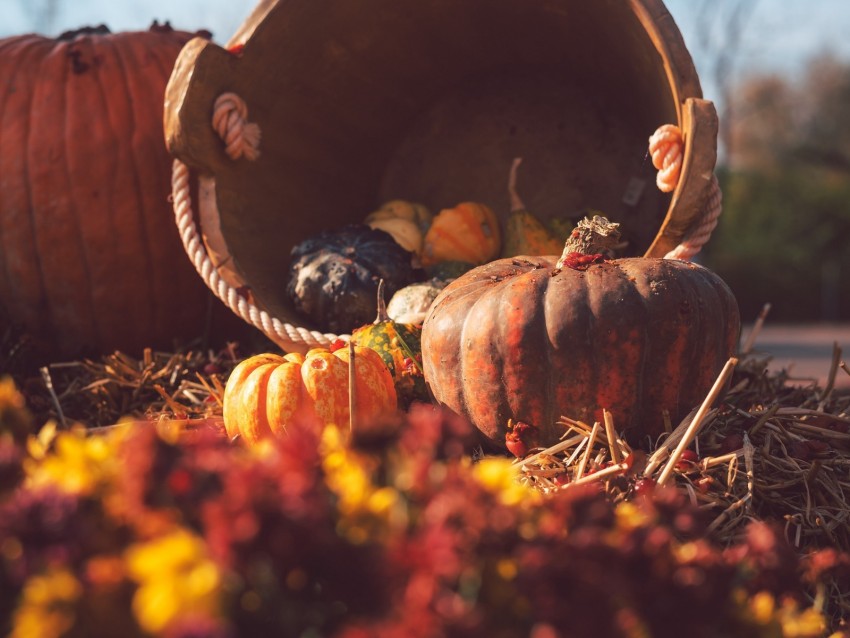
784, 234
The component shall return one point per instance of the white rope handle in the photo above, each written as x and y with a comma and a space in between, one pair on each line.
241, 139
286, 335
666, 149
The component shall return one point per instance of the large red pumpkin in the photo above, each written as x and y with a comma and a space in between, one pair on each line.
90, 259
530, 339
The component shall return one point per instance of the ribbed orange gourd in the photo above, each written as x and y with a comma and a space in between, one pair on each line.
468, 232
89, 255
533, 339
267, 393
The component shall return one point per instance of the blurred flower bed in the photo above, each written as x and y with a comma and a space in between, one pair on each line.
146, 530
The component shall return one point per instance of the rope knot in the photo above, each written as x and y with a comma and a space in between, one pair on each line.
665, 147
230, 120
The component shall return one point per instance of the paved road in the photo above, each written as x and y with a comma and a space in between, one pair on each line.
804, 350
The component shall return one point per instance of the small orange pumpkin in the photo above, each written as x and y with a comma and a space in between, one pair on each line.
468, 232
267, 393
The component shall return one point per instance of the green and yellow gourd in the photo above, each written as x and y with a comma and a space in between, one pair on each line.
524, 233
399, 345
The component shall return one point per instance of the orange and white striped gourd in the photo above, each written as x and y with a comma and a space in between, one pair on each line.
267, 393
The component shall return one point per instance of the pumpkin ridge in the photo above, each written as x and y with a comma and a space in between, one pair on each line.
568, 398
84, 184
84, 333
150, 78
641, 286
446, 339
717, 291
676, 352
36, 287
258, 414
155, 295
629, 350
523, 333
699, 333
473, 373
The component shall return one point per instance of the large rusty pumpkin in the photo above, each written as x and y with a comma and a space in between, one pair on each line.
532, 339
89, 256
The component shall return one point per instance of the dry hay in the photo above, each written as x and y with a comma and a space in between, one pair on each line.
182, 389
767, 450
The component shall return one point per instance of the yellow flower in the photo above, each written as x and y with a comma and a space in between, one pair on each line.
785, 619
796, 623
10, 398
501, 477
15, 419
79, 463
39, 444
365, 509
762, 606
46, 609
175, 577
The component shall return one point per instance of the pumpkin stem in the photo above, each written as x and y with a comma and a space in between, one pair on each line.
591, 237
516, 202
382, 305
100, 29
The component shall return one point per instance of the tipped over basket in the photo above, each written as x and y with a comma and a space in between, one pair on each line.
316, 112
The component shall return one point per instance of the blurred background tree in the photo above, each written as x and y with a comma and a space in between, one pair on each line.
784, 236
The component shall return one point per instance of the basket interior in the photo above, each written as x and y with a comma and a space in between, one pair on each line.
430, 101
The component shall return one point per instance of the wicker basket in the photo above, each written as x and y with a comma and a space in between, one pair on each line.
361, 102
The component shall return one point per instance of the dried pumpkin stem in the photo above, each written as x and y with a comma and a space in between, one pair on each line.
591, 237
696, 424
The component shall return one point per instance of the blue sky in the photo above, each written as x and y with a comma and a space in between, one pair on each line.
781, 35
